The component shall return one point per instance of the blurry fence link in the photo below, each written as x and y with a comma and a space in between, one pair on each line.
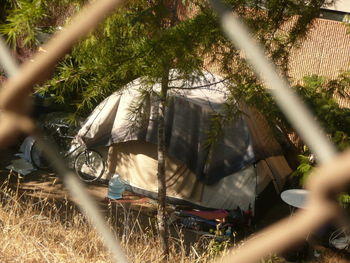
324, 185
14, 107
8, 63
329, 180
290, 104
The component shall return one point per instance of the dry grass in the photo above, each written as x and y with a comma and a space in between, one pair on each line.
332, 257
40, 230
33, 231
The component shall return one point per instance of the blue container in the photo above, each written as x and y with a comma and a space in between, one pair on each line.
116, 187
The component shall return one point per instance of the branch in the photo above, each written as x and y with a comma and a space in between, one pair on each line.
198, 87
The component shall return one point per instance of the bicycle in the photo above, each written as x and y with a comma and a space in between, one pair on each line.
88, 163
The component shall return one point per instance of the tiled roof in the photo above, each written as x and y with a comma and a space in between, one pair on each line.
325, 52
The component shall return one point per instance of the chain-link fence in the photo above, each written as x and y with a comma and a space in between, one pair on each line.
328, 181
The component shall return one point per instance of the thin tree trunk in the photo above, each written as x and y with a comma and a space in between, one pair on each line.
162, 215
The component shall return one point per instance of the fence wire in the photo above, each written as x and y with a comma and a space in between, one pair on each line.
328, 180
16, 90
8, 63
323, 185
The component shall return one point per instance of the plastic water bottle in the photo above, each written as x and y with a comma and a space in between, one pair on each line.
116, 187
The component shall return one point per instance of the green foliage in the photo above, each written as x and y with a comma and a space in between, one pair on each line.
305, 167
341, 139
220, 243
139, 41
344, 199
279, 27
134, 42
271, 259
3, 11
318, 93
319, 96
21, 22
346, 21
145, 37
218, 121
217, 247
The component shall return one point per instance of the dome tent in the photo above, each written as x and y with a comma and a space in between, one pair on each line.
241, 164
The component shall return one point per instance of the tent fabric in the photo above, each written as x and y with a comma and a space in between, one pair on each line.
188, 118
244, 160
136, 162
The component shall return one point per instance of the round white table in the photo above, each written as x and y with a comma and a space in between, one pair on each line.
295, 197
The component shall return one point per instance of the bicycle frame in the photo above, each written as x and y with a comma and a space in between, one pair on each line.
70, 152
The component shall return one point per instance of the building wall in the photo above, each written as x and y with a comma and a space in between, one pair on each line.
325, 52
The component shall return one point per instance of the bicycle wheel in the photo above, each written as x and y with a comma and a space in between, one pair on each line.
89, 165
37, 158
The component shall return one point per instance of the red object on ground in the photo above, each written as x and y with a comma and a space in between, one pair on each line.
209, 215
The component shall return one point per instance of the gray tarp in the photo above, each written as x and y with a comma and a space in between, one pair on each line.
188, 119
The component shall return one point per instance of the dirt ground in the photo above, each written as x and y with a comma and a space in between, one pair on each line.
41, 183
46, 185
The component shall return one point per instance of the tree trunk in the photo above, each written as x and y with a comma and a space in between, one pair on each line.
162, 215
